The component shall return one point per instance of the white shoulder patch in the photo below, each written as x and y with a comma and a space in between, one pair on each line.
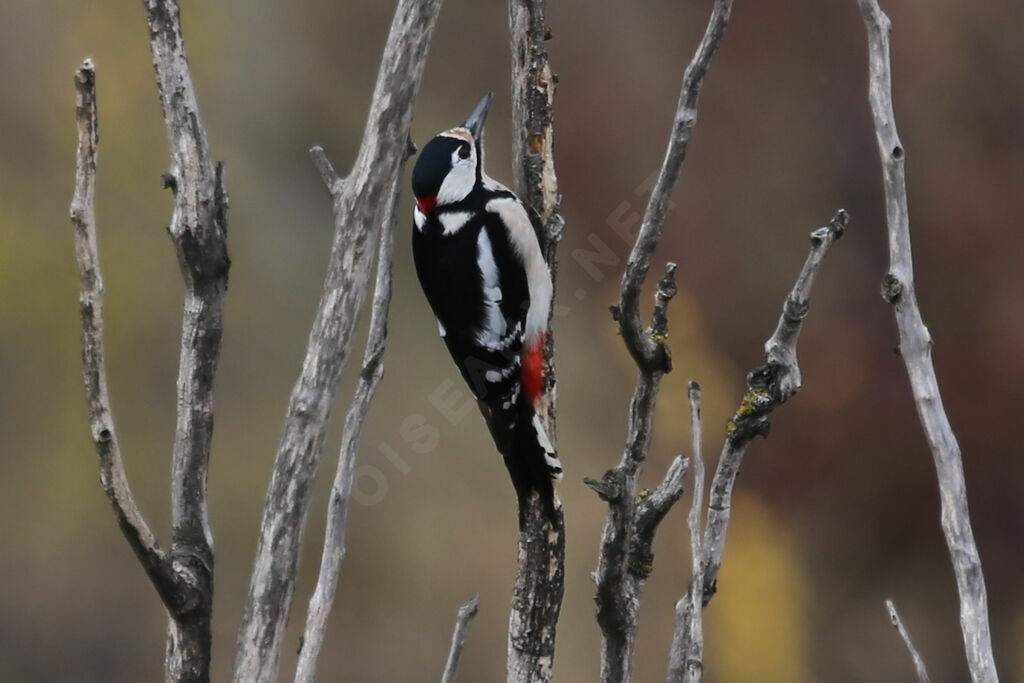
538, 278
492, 328
440, 329
452, 221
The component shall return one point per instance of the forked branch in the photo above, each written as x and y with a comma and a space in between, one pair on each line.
337, 507
153, 558
768, 387
621, 572
184, 576
648, 353
359, 204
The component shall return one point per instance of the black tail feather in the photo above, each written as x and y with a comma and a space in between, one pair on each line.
523, 450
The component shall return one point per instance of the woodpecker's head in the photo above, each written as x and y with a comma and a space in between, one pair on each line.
451, 164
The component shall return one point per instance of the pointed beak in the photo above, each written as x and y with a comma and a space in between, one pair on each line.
475, 122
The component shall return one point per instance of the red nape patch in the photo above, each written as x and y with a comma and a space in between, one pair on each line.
426, 204
533, 364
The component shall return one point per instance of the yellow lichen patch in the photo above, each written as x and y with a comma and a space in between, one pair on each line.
695, 356
756, 626
753, 399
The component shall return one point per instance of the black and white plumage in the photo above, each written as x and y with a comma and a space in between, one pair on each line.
481, 268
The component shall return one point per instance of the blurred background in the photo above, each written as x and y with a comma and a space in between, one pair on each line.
836, 511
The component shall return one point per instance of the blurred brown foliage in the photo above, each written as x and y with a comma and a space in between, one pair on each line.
836, 511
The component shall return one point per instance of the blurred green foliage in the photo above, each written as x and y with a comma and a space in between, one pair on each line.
837, 510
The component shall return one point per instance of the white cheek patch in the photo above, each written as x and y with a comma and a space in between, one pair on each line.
418, 218
459, 182
457, 185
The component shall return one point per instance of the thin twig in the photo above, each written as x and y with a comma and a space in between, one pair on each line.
337, 510
648, 353
359, 206
136, 531
894, 617
651, 507
620, 582
466, 614
768, 387
915, 348
540, 566
686, 659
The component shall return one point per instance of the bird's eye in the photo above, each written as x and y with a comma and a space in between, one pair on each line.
464, 152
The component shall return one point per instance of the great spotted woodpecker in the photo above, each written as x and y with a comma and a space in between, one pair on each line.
481, 268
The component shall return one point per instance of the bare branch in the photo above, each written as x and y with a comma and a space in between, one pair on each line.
648, 354
768, 387
359, 208
540, 570
894, 617
915, 347
533, 96
136, 531
533, 160
536, 595
466, 614
624, 559
686, 659
199, 231
326, 169
619, 578
651, 507
337, 509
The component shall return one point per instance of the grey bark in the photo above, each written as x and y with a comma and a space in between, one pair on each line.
915, 349
894, 617
154, 559
625, 557
624, 560
359, 203
686, 657
540, 563
466, 614
768, 387
337, 508
198, 228
647, 352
